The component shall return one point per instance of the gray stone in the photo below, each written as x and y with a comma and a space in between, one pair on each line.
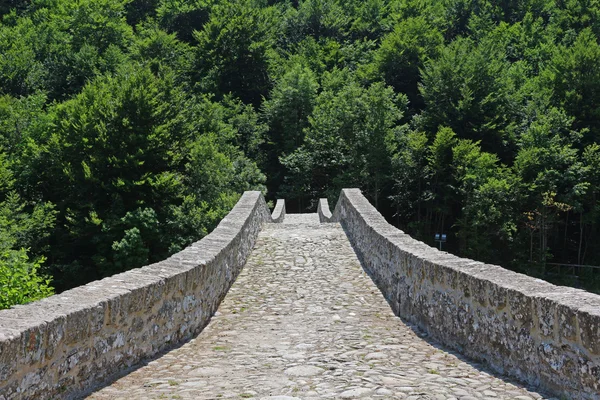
303, 370
206, 371
375, 356
354, 393
280, 398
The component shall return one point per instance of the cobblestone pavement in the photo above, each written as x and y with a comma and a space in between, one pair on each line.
304, 321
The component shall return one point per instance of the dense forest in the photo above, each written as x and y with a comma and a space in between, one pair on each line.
129, 128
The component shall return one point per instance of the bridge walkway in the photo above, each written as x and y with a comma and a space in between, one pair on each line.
304, 321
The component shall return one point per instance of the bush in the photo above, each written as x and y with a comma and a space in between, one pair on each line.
20, 281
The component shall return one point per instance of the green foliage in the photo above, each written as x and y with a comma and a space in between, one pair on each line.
319, 19
183, 17
574, 76
346, 140
57, 47
409, 169
22, 225
19, 279
158, 49
286, 112
490, 194
479, 106
126, 143
232, 50
130, 252
129, 128
404, 52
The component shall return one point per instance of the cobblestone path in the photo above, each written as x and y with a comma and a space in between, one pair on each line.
304, 321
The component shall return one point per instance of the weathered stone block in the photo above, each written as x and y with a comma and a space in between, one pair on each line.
497, 294
566, 320
451, 278
33, 343
428, 268
34, 384
74, 359
463, 285
193, 278
34, 330
523, 353
479, 290
443, 312
10, 343
521, 307
559, 364
546, 317
491, 328
589, 329
464, 324
403, 296
590, 376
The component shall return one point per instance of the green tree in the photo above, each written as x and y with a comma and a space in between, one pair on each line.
20, 279
286, 112
574, 76
411, 175
403, 53
467, 89
439, 160
183, 17
232, 51
317, 18
489, 191
22, 226
346, 143
548, 164
58, 46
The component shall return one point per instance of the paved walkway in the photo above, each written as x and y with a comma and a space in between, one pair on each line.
303, 321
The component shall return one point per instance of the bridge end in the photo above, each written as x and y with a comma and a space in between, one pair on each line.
324, 212
279, 211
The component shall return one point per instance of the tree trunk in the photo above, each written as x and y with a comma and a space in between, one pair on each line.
579, 260
531, 245
565, 252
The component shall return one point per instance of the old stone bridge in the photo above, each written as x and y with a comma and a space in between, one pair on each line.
306, 306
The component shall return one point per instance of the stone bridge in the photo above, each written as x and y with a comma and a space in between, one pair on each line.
338, 305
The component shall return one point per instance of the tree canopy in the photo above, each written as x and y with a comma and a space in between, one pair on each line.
129, 128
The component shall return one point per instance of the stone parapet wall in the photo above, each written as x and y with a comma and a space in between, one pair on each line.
65, 345
323, 211
542, 334
279, 211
